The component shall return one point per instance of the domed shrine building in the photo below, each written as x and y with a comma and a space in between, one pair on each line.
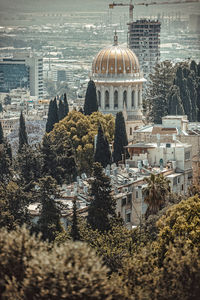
118, 80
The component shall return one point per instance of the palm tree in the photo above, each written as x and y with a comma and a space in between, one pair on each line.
155, 193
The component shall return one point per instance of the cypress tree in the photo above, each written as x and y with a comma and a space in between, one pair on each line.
102, 153
1, 107
193, 67
61, 110
1, 134
58, 159
29, 164
120, 138
49, 220
52, 115
66, 106
74, 230
90, 104
23, 138
191, 85
101, 210
158, 87
174, 100
5, 165
181, 82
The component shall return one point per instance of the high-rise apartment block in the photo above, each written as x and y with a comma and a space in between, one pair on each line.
23, 70
144, 40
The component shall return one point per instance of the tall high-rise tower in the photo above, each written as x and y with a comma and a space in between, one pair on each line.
144, 40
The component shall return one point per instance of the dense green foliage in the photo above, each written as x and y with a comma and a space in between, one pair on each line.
13, 205
90, 104
1, 134
74, 228
102, 151
49, 220
23, 138
58, 158
158, 87
120, 138
155, 193
80, 130
174, 90
102, 205
31, 271
52, 118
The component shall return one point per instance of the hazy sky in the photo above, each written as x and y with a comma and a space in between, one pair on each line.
92, 6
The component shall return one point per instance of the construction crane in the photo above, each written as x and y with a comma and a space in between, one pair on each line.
131, 5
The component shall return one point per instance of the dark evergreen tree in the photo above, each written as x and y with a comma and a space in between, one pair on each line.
61, 110
48, 156
191, 85
193, 67
1, 107
74, 229
66, 105
174, 100
13, 206
120, 138
28, 166
52, 115
101, 210
90, 104
1, 134
181, 82
58, 159
158, 87
46, 194
5, 165
102, 152
23, 138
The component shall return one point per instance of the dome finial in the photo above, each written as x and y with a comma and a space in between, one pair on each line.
115, 38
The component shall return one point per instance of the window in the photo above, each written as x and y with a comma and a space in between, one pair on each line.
116, 99
107, 105
123, 201
136, 194
99, 98
139, 100
182, 187
133, 98
125, 98
175, 181
187, 155
128, 218
129, 197
130, 130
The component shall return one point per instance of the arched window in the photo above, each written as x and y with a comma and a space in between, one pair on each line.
139, 98
99, 98
125, 98
133, 98
131, 131
107, 105
116, 99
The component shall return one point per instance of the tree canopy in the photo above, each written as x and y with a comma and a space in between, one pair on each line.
81, 130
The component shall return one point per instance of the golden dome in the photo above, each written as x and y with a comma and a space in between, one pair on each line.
115, 60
